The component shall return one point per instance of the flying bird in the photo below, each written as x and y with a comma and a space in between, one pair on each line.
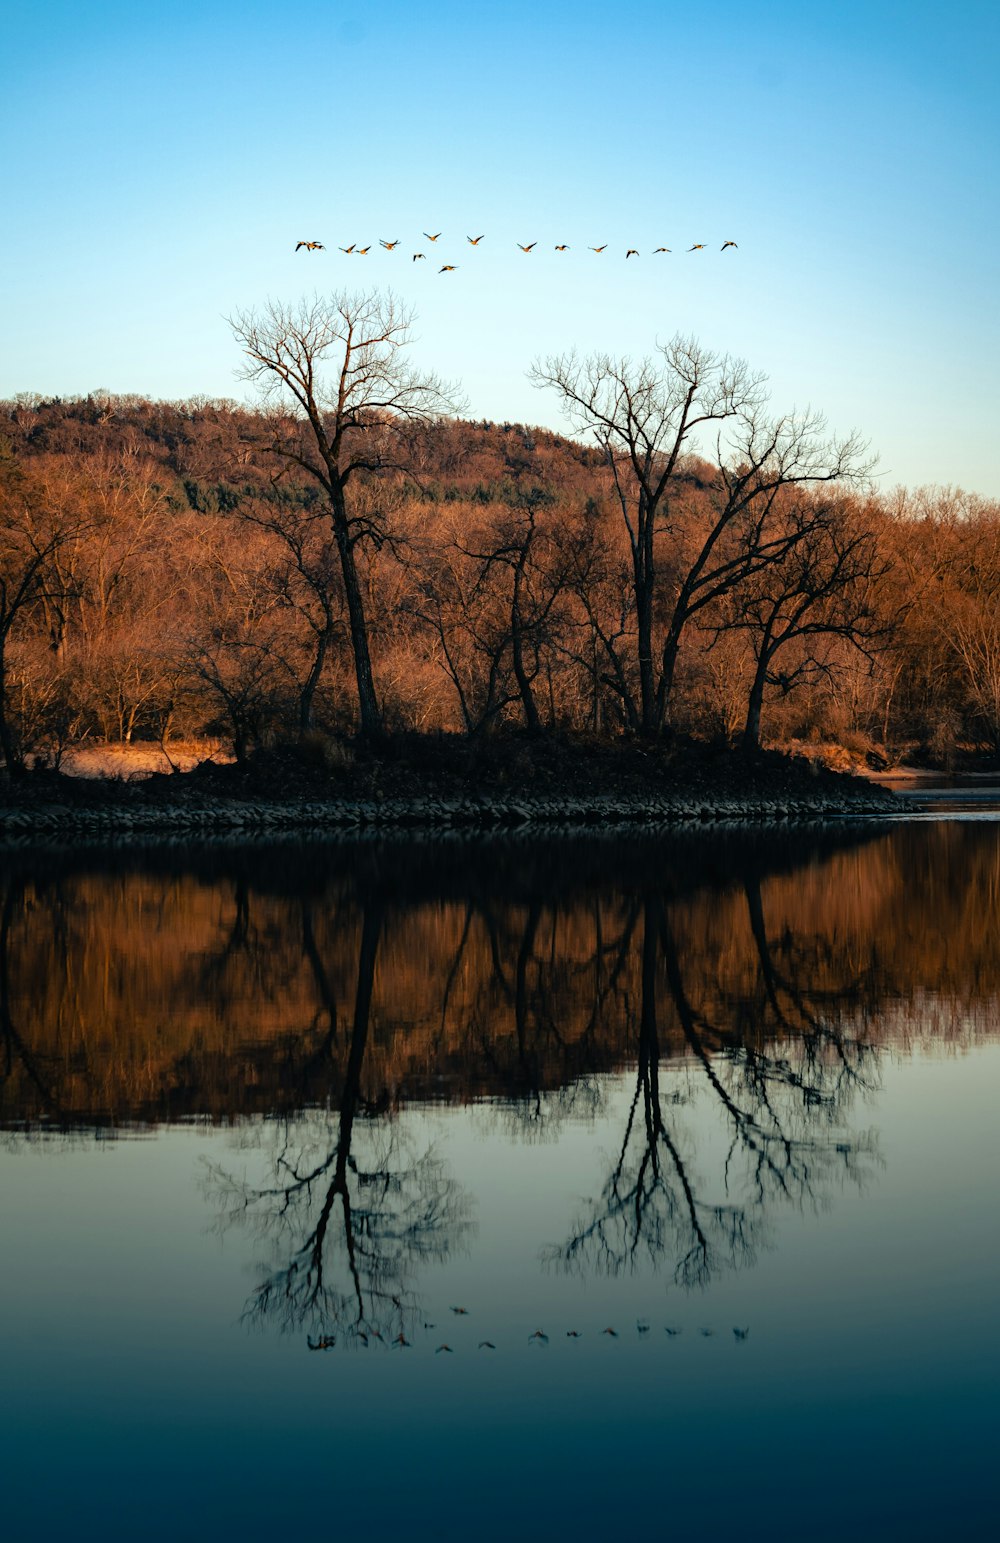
430, 237
417, 256
390, 246
448, 268
347, 249
311, 246
362, 250
699, 246
725, 244
528, 247
631, 253
562, 248
660, 249
474, 240
599, 248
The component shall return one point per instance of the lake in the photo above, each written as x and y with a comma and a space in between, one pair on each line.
504, 1187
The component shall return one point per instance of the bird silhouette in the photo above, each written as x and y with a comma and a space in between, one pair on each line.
725, 244
631, 253
563, 248
660, 249
390, 246
448, 268
347, 249
417, 256
486, 1344
474, 240
699, 246
528, 247
311, 246
444, 1347
430, 237
599, 248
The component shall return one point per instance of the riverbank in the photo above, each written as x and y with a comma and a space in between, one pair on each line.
441, 784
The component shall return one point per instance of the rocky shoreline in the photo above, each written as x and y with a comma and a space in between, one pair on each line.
423, 786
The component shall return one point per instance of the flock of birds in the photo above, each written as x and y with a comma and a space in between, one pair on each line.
538, 1338
354, 250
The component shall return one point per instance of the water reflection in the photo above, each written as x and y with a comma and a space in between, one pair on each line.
351, 1213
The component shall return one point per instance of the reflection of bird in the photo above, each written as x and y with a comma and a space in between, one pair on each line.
362, 1336
324, 1342
642, 1326
631, 253
528, 247
430, 237
673, 1332
417, 256
599, 248
486, 1344
540, 1335
741, 1333
474, 240
462, 1312
660, 249
563, 248
699, 246
402, 1340
448, 268
573, 1334
707, 1333
311, 246
390, 246
349, 249
430, 1325
444, 1347
725, 244
612, 1332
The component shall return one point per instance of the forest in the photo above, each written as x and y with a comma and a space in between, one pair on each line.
361, 558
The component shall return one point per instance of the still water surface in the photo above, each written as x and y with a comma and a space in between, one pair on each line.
269, 1117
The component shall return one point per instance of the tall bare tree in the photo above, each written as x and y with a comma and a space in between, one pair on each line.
340, 364
648, 417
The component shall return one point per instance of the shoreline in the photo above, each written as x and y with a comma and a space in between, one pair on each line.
434, 815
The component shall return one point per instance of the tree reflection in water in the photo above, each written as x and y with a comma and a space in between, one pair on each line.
352, 1212
783, 1070
754, 977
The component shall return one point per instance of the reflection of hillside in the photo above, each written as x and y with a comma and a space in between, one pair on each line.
142, 996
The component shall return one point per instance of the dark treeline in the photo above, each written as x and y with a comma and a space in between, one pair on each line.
363, 559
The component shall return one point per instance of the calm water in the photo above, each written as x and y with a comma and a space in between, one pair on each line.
269, 1118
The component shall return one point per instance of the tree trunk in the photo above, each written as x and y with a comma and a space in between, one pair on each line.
312, 681
533, 722
13, 764
368, 708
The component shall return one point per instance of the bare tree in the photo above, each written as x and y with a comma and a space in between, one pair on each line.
825, 589
648, 417
341, 361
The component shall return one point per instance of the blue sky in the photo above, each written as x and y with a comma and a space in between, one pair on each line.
161, 165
